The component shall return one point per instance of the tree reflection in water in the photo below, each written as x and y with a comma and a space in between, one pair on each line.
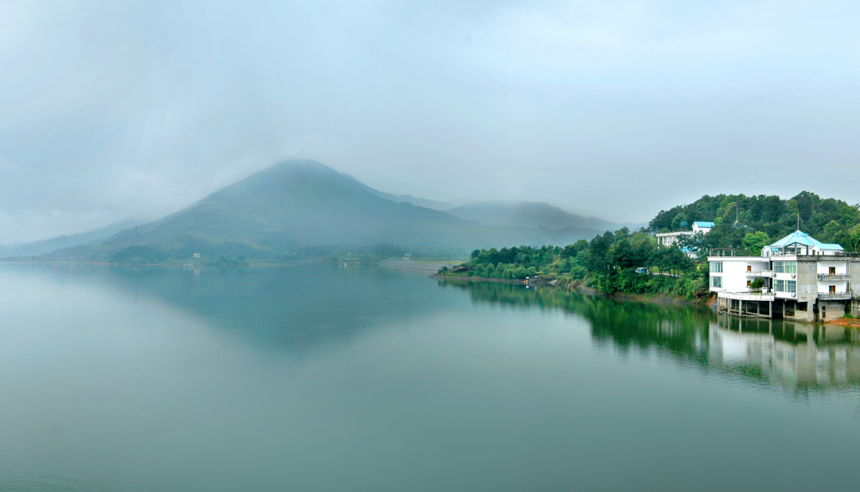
798, 357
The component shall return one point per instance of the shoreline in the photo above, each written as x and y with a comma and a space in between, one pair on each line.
428, 268
621, 296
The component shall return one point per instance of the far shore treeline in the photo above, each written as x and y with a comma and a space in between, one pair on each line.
633, 263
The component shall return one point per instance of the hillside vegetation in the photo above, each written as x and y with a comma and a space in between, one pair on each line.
633, 262
749, 222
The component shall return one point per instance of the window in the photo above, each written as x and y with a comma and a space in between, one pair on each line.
749, 268
717, 267
832, 289
832, 270
785, 286
749, 282
717, 282
777, 267
790, 267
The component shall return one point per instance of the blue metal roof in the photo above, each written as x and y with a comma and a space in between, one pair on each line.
704, 225
803, 239
831, 246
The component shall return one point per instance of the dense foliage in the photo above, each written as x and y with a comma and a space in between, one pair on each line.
137, 254
613, 262
634, 262
748, 223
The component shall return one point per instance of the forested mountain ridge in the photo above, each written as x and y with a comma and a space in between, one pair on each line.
736, 216
531, 214
303, 205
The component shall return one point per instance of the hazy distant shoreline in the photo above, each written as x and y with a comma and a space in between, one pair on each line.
415, 266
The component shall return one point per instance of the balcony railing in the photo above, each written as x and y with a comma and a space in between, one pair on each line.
835, 296
836, 276
748, 296
762, 273
786, 295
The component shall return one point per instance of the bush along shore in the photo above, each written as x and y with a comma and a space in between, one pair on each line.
620, 263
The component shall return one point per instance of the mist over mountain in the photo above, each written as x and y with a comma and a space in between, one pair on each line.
65, 241
303, 204
532, 214
420, 202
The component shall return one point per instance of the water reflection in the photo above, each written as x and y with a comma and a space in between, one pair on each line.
793, 355
294, 309
303, 308
798, 357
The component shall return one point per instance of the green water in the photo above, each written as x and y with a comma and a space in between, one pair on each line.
312, 378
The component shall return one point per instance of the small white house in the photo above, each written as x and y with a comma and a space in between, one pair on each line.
703, 227
670, 238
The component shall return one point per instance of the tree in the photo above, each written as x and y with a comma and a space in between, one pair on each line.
854, 238
831, 230
598, 253
679, 219
754, 242
694, 243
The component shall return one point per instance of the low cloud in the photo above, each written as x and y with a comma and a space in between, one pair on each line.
612, 109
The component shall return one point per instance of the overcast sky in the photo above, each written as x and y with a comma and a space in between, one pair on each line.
111, 110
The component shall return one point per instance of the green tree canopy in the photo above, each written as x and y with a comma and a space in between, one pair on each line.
754, 242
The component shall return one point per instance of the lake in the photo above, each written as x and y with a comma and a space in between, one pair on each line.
317, 378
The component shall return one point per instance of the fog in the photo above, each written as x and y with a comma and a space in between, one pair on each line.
114, 110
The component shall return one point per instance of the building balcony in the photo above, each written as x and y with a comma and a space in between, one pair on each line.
747, 296
824, 277
837, 296
763, 273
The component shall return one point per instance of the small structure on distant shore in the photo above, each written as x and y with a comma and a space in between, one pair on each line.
670, 238
188, 266
407, 257
196, 255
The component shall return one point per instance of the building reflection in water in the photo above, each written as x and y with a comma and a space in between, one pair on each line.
799, 357
793, 355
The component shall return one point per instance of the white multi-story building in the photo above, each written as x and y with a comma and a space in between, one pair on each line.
801, 278
670, 238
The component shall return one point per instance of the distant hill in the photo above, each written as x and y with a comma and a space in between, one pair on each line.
304, 204
532, 214
420, 202
48, 245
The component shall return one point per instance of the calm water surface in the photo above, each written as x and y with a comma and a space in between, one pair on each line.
311, 378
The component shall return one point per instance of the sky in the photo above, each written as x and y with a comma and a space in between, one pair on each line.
115, 110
